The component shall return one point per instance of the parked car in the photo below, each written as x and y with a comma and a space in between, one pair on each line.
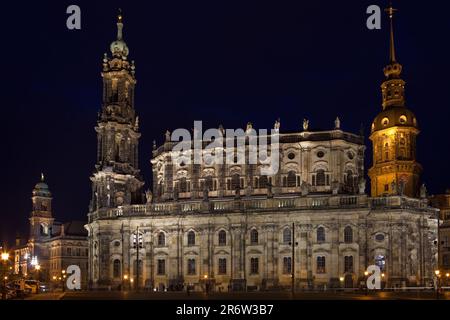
32, 286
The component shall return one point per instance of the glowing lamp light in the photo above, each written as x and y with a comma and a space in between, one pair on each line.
383, 275
205, 276
38, 267
131, 280
341, 279
34, 261
447, 275
5, 256
125, 277
437, 272
366, 273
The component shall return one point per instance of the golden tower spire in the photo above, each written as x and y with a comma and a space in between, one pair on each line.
391, 11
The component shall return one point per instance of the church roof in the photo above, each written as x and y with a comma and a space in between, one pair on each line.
71, 228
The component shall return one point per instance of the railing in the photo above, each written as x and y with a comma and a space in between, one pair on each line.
263, 204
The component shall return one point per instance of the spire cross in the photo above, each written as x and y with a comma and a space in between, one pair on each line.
391, 11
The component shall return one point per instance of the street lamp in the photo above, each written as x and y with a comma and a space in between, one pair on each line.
5, 258
366, 274
125, 280
438, 276
63, 278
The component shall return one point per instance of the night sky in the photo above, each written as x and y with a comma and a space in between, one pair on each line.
217, 61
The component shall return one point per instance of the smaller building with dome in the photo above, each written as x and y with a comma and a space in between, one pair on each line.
51, 245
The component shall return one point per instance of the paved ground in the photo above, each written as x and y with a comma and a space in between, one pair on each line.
117, 295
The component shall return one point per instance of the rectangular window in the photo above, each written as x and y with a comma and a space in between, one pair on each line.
320, 265
161, 266
69, 251
445, 260
287, 267
254, 266
386, 188
348, 264
222, 266
191, 267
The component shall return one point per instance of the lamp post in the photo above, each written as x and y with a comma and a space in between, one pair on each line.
5, 258
293, 245
438, 278
38, 269
125, 281
366, 274
63, 279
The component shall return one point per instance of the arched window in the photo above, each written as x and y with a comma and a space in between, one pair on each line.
321, 264
254, 236
349, 178
116, 268
222, 238
348, 234
386, 152
191, 238
287, 236
161, 239
320, 177
183, 185
291, 179
235, 181
320, 234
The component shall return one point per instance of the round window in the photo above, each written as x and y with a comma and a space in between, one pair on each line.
291, 156
350, 155
385, 121
403, 119
379, 237
320, 154
117, 243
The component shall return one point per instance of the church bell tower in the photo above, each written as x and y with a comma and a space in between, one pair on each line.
393, 135
117, 180
41, 219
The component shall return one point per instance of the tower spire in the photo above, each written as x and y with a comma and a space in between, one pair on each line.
391, 11
119, 25
118, 47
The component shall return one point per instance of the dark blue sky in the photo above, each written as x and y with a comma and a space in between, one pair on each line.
218, 61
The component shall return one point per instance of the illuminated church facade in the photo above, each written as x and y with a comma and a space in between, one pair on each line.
229, 227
